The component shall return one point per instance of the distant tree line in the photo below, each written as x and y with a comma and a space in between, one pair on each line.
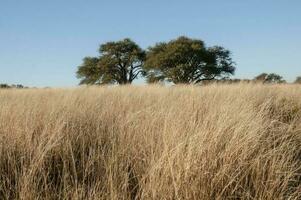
7, 86
179, 61
264, 78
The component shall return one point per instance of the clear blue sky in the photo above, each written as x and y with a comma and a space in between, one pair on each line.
42, 41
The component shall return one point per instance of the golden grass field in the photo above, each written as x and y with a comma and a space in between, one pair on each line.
240, 141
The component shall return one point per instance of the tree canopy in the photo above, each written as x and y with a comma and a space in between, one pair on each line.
89, 72
269, 78
119, 62
186, 60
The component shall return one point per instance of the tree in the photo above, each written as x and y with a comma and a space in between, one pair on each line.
4, 86
298, 80
261, 77
269, 78
119, 62
89, 72
274, 78
186, 60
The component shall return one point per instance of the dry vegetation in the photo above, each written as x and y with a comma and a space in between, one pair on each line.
213, 142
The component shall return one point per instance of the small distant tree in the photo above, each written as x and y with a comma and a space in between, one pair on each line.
261, 77
4, 86
274, 78
186, 60
269, 78
119, 62
19, 86
298, 80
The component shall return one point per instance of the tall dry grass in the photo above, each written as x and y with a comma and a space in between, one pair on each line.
151, 142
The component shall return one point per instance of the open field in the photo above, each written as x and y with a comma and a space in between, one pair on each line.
235, 141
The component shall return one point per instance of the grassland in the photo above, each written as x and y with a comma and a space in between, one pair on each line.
238, 141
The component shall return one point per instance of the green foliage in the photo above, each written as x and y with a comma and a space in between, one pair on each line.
274, 78
186, 60
19, 86
7, 86
89, 72
119, 62
4, 85
269, 78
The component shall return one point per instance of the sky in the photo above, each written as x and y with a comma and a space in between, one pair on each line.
42, 42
